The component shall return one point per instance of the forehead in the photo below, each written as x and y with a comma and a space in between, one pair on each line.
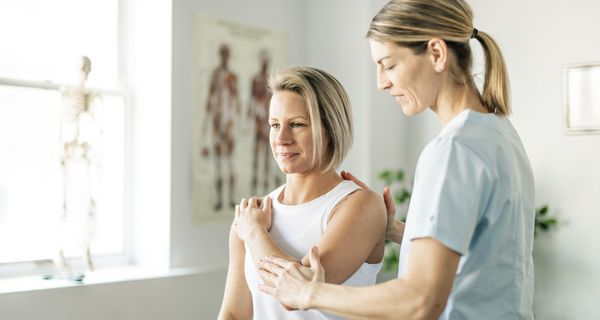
287, 104
380, 51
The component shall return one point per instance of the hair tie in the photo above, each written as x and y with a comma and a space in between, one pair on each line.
474, 34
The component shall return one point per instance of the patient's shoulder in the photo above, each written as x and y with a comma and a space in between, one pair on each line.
363, 203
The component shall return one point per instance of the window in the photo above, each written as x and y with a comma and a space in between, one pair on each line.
39, 61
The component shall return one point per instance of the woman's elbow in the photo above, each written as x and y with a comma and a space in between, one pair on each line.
231, 311
224, 315
227, 315
417, 305
428, 307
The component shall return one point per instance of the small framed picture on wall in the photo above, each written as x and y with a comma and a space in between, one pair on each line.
581, 98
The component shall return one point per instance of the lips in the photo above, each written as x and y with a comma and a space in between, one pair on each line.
397, 97
287, 155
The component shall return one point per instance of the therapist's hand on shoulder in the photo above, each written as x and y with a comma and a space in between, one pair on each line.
289, 281
252, 216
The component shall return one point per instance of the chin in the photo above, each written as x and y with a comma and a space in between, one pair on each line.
283, 169
287, 169
411, 110
292, 169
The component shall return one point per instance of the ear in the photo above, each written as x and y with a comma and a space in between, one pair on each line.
438, 54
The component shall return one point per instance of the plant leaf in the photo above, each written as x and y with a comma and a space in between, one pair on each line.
399, 175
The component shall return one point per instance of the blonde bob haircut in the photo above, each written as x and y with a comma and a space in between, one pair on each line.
412, 23
329, 112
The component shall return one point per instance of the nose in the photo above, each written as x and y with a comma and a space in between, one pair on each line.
383, 82
284, 136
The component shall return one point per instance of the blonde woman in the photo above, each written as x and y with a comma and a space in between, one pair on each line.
467, 243
310, 133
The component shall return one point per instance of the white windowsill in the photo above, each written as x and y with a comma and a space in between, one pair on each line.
103, 276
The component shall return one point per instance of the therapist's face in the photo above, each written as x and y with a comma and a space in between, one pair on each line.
408, 77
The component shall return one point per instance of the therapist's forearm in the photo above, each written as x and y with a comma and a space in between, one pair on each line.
395, 232
394, 299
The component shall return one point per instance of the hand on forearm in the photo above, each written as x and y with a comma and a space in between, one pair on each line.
296, 284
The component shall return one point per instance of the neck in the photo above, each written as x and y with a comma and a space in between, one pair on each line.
302, 188
455, 98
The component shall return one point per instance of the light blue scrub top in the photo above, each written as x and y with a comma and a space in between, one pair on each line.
474, 192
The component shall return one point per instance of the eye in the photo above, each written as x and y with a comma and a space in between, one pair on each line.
274, 125
388, 68
297, 125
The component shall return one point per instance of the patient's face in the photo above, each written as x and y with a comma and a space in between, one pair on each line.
290, 134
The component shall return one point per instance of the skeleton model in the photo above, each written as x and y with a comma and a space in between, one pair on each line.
79, 135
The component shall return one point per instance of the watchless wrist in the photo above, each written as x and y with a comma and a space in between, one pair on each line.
312, 290
256, 232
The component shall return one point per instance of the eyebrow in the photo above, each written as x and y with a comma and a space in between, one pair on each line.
381, 59
292, 118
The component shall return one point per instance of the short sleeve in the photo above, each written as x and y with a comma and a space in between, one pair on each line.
451, 185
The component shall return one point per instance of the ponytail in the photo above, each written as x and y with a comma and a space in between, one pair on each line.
495, 96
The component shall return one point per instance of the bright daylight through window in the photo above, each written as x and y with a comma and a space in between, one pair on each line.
62, 130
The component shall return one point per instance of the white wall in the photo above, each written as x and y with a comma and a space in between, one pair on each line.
537, 38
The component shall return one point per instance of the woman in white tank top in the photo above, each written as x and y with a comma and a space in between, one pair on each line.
310, 133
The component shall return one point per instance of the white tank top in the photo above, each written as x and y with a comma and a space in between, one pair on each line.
295, 230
